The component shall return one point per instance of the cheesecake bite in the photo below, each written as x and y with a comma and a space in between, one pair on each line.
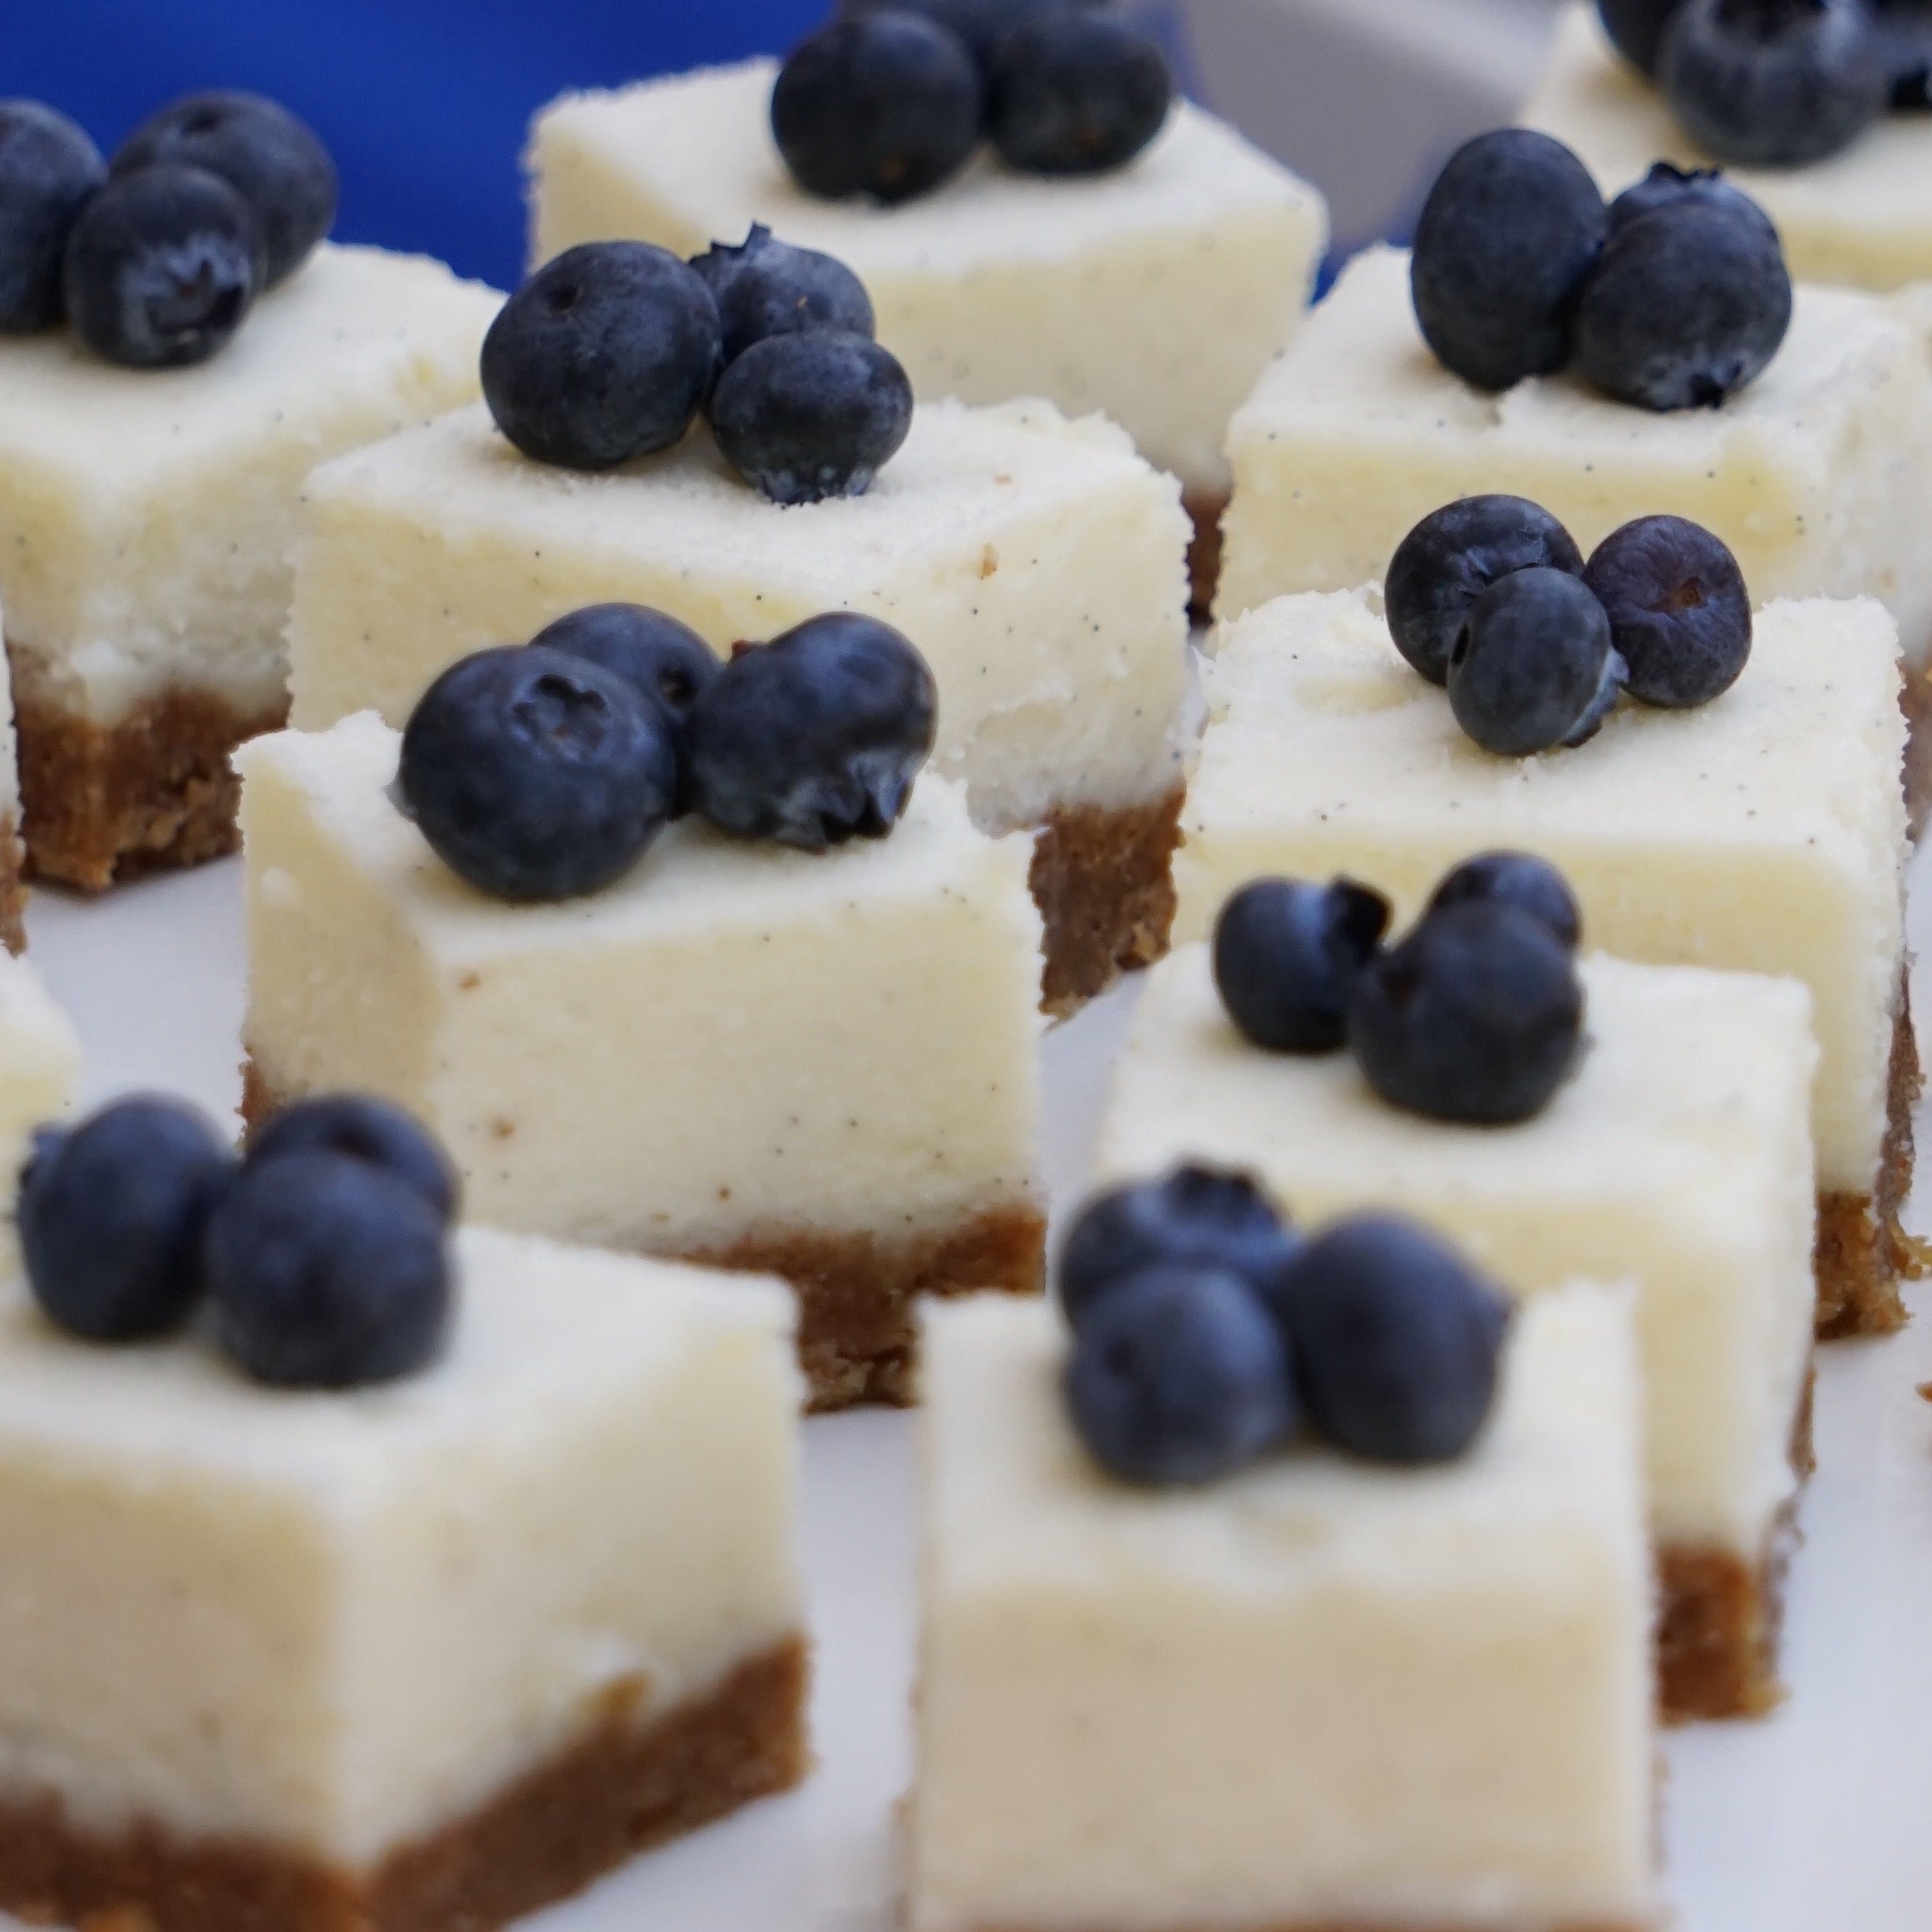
1762, 832
1324, 1690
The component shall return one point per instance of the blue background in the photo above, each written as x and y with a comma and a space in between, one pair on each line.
424, 103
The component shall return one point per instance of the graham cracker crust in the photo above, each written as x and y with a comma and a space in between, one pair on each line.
619, 1789
1863, 1251
154, 791
1103, 879
857, 1336
1207, 507
12, 890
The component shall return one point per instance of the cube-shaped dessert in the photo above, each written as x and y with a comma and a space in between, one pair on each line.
146, 522
1035, 563
1762, 833
1863, 217
12, 852
425, 1655
1321, 1692
1678, 1158
819, 1064
1812, 475
40, 1073
1155, 294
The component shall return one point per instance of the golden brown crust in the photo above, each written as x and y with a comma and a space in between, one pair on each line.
1103, 879
155, 791
12, 889
1915, 701
1863, 1250
1206, 507
856, 1291
619, 1788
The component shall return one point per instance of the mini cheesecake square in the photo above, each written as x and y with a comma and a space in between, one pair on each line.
1863, 217
822, 1066
1154, 294
410, 1658
1678, 1158
146, 519
1762, 833
1036, 563
40, 1074
1813, 475
1321, 1693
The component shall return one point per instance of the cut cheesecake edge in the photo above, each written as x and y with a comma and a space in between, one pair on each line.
619, 1787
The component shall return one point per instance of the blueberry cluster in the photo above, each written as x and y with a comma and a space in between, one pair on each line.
893, 98
1778, 83
1207, 1333
1474, 1017
612, 349
320, 1258
1491, 597
1673, 296
156, 257
542, 771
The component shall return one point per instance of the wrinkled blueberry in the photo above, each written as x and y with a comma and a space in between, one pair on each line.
162, 268
981, 24
1530, 666
1774, 83
1285, 953
537, 775
1076, 93
1530, 885
1476, 1016
803, 417
325, 1271
364, 1128
887, 106
1905, 36
816, 737
1506, 237
111, 1214
1636, 28
49, 169
1195, 1217
1178, 1375
1688, 304
603, 354
1446, 562
1680, 615
273, 159
765, 287
1669, 186
1397, 1341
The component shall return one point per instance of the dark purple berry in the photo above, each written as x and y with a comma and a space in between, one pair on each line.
1075, 91
1532, 664
49, 170
1285, 955
364, 1128
765, 287
1530, 885
1680, 614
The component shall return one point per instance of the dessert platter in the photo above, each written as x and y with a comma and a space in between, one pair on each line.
897, 1064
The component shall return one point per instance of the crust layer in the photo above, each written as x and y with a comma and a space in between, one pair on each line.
13, 891
1207, 507
1915, 701
154, 791
620, 1787
1863, 1250
1103, 881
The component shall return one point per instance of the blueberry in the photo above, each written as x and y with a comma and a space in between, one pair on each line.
765, 287
1529, 662
364, 1128
803, 417
1076, 93
1905, 33
1397, 1341
273, 159
887, 106
981, 24
603, 354
325, 1271
48, 171
536, 776
1774, 83
1680, 615
1178, 1375
111, 1214
816, 737
1476, 1016
1688, 304
1285, 954
1636, 28
162, 268
1446, 562
1195, 1217
1508, 234
1610, 683
1668, 186
1530, 885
